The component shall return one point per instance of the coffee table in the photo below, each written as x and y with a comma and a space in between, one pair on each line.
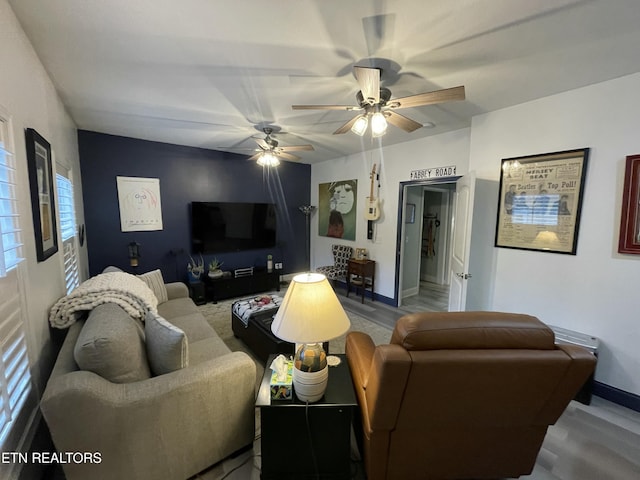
258, 337
294, 433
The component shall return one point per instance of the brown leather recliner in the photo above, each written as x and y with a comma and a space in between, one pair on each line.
461, 395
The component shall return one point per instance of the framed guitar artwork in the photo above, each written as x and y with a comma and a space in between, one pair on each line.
372, 207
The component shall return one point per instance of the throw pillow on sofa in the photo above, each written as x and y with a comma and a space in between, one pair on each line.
111, 344
167, 347
155, 282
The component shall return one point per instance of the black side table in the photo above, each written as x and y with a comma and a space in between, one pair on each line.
294, 434
197, 292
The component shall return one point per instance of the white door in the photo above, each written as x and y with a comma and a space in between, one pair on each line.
461, 241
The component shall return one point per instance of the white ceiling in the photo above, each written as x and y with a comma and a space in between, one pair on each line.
205, 73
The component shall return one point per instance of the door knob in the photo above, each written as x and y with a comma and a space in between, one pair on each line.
464, 276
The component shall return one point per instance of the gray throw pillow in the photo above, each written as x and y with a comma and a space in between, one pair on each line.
155, 282
111, 344
167, 347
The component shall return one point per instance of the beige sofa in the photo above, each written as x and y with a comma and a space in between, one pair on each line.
139, 424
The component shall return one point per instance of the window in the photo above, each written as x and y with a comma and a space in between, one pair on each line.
67, 212
10, 234
15, 376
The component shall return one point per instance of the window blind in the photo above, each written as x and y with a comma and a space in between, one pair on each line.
10, 234
15, 378
67, 215
17, 400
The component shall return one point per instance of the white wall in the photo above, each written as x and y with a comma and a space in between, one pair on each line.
395, 164
595, 291
28, 96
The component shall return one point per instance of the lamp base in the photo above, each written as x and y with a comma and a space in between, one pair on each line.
310, 372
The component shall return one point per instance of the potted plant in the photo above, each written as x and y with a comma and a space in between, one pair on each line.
214, 268
195, 268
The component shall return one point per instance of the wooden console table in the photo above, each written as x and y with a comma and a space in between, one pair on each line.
365, 271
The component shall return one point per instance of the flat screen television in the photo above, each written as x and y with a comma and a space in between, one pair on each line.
232, 227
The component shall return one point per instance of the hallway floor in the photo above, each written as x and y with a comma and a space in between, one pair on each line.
430, 298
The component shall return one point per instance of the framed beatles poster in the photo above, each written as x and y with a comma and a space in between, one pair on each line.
540, 201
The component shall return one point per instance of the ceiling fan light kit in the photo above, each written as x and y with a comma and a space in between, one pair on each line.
270, 152
268, 159
377, 103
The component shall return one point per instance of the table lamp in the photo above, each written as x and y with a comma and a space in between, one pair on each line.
310, 314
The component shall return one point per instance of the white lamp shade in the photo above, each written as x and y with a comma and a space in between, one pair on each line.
378, 124
360, 125
310, 311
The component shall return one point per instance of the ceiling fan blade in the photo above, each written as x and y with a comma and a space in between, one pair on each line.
325, 107
401, 121
255, 157
287, 156
369, 81
293, 148
263, 145
429, 98
236, 149
347, 126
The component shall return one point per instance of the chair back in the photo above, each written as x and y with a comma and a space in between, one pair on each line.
341, 256
463, 394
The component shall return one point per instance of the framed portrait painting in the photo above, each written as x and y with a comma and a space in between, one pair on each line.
337, 209
41, 184
540, 201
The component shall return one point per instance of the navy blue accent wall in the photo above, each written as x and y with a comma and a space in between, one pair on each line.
186, 174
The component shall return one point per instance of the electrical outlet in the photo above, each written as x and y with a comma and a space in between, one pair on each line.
278, 266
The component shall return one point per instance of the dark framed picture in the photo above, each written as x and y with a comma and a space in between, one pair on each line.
41, 183
540, 201
629, 241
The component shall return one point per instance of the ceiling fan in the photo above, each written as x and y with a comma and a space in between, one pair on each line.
270, 151
379, 108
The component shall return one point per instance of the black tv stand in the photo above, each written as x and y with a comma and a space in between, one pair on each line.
230, 286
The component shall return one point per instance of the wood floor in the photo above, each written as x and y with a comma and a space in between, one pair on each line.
431, 297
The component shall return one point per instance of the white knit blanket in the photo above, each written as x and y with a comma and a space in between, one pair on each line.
124, 289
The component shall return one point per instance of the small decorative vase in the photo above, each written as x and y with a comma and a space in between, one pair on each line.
310, 372
194, 276
215, 273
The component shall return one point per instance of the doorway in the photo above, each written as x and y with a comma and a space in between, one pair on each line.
425, 246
